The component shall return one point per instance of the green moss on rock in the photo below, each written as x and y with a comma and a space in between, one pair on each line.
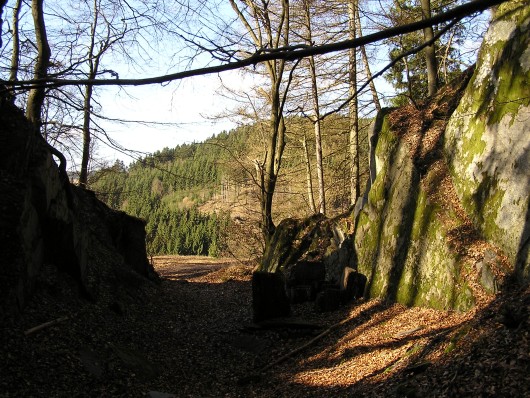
487, 141
400, 243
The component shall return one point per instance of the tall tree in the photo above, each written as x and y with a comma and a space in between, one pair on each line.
37, 94
316, 118
309, 179
15, 55
430, 51
268, 29
103, 36
355, 188
94, 58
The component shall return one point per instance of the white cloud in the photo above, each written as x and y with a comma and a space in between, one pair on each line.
186, 104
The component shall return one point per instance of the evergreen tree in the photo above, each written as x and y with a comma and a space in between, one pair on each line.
410, 75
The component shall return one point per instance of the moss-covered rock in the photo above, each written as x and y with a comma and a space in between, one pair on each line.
487, 141
292, 238
400, 242
445, 207
316, 239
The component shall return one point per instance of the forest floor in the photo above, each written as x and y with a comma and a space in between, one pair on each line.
192, 336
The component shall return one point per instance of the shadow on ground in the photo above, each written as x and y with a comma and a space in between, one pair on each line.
192, 339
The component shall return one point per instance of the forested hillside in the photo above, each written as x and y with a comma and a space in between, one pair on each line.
165, 190
197, 197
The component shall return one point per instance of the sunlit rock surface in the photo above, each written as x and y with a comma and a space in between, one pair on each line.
488, 138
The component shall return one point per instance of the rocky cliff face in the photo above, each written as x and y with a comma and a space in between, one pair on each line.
488, 138
403, 232
447, 215
47, 223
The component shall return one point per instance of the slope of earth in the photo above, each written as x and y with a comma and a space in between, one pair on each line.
191, 336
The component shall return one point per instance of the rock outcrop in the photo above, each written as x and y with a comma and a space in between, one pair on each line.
402, 232
447, 216
47, 222
314, 240
311, 257
487, 141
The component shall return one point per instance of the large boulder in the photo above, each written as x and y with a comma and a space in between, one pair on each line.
317, 240
309, 255
487, 140
47, 222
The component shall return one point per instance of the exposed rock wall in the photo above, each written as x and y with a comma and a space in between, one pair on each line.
401, 238
447, 215
46, 221
488, 138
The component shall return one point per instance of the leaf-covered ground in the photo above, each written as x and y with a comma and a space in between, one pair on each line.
191, 336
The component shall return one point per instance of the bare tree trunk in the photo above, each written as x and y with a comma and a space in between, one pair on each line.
320, 167
359, 32
430, 51
316, 110
36, 95
93, 63
265, 35
309, 179
15, 55
2, 5
354, 119
83, 175
272, 165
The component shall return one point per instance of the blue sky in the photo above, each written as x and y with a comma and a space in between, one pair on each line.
189, 106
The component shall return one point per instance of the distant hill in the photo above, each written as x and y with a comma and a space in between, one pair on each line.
202, 198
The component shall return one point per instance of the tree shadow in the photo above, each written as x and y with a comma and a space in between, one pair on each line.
403, 236
479, 356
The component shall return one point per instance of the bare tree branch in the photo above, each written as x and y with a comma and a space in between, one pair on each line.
286, 53
387, 67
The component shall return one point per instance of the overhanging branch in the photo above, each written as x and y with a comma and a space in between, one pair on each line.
287, 53
387, 67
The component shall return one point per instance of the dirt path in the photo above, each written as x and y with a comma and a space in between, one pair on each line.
190, 337
192, 268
